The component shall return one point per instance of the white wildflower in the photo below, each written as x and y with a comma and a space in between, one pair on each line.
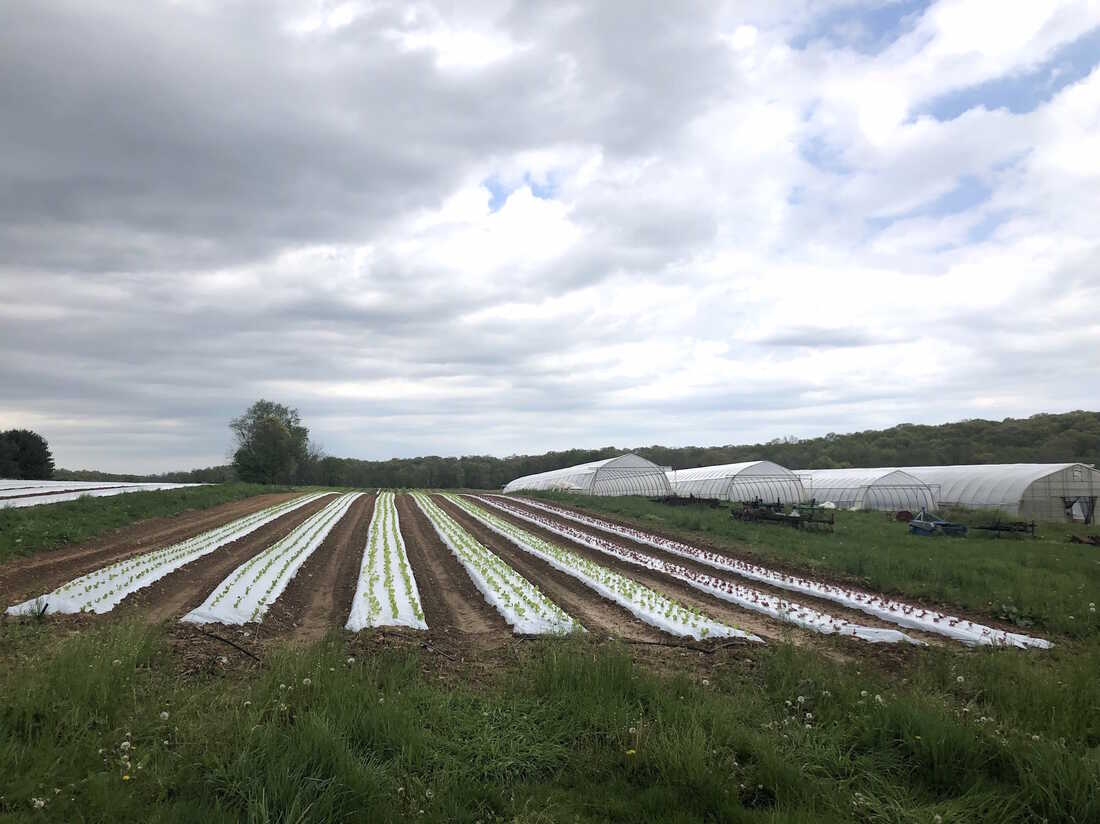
164, 715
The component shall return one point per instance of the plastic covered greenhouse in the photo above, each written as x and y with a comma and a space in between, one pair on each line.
627, 474
884, 488
747, 481
1046, 492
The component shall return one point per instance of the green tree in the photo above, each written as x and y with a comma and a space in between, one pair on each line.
272, 445
25, 455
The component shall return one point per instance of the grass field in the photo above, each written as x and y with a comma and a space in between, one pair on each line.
121, 719
27, 530
96, 727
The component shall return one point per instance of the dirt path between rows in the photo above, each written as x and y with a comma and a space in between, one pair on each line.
596, 613
319, 598
24, 578
181, 591
451, 602
819, 604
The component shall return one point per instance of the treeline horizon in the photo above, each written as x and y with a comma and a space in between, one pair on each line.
1041, 438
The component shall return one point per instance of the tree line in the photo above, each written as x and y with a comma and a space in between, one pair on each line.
273, 446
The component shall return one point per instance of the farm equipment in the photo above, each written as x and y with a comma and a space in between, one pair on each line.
803, 516
925, 524
1090, 540
1011, 527
687, 500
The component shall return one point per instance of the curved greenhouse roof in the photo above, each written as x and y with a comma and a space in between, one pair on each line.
745, 481
627, 474
885, 488
1044, 491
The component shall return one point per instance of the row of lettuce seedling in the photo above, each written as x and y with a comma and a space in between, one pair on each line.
889, 609
646, 604
248, 591
383, 554
752, 599
102, 590
522, 604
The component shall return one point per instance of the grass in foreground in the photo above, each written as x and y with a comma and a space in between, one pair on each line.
27, 530
97, 727
1045, 583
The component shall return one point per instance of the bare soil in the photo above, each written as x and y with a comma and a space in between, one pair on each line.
319, 597
24, 578
452, 604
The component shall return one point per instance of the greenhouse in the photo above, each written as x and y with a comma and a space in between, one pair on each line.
1045, 492
627, 474
884, 488
748, 481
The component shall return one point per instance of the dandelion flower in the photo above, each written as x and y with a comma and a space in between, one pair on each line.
631, 752
126, 777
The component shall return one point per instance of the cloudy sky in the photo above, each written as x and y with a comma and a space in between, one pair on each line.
502, 227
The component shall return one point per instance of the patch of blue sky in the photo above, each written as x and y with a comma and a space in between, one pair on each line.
499, 191
1025, 91
968, 193
866, 27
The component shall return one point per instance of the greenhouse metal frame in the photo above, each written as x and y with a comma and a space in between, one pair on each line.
745, 481
627, 474
888, 489
1047, 492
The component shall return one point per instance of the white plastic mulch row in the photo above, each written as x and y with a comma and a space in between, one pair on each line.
745, 597
523, 605
34, 498
251, 588
888, 609
25, 491
103, 590
387, 594
649, 606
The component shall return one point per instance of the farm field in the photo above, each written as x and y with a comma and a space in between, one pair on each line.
529, 659
15, 494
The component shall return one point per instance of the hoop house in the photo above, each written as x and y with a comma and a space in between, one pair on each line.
883, 488
745, 481
627, 474
1047, 492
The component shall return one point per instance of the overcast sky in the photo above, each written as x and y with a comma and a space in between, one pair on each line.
510, 227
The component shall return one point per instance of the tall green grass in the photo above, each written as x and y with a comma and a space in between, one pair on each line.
572, 731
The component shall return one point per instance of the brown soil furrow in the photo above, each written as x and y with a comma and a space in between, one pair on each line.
181, 591
596, 613
449, 598
319, 598
820, 604
25, 578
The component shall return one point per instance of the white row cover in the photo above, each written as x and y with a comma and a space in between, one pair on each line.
627, 474
882, 488
745, 481
65, 491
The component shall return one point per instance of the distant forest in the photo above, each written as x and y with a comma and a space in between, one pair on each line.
1073, 436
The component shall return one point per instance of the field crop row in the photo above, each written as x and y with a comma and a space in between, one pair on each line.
888, 609
382, 597
522, 604
646, 604
249, 590
744, 597
102, 590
